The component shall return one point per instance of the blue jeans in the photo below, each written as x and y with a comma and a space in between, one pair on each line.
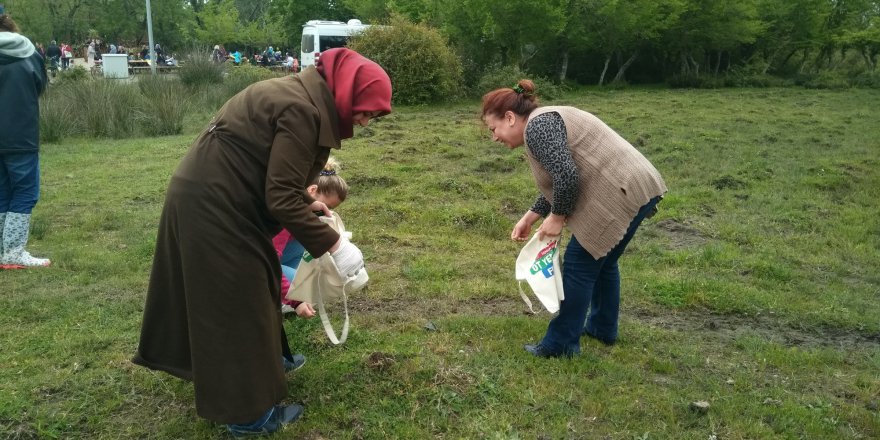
590, 285
19, 182
290, 258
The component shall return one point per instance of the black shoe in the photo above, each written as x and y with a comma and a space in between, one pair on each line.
540, 351
279, 416
298, 361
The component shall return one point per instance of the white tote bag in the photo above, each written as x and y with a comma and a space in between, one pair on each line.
317, 281
538, 265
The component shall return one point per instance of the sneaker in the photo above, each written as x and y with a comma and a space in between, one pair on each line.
542, 352
269, 423
298, 361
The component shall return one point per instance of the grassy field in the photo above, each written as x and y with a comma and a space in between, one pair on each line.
755, 289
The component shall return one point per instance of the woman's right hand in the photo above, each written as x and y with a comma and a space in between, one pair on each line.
320, 206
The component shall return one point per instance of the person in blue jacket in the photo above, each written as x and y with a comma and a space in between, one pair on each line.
22, 80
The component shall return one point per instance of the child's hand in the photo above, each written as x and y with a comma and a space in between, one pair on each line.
305, 310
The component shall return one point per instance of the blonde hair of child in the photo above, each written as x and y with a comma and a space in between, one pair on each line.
330, 183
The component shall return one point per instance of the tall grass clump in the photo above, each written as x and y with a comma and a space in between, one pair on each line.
165, 103
238, 78
497, 77
99, 108
422, 66
197, 69
104, 108
57, 117
75, 74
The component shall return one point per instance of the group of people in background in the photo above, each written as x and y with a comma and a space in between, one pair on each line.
269, 57
56, 55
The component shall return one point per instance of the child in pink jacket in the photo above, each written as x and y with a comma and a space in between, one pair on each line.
330, 189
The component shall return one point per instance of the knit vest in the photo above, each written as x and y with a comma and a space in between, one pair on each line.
614, 180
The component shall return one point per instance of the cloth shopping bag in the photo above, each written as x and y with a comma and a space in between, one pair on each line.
538, 265
317, 281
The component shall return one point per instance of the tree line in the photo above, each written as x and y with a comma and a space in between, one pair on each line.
584, 41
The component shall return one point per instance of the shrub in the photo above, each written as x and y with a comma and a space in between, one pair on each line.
56, 117
242, 76
497, 77
824, 80
422, 67
866, 79
109, 108
198, 69
679, 81
753, 79
165, 102
106, 108
75, 74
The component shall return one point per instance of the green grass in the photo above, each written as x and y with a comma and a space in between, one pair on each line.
755, 288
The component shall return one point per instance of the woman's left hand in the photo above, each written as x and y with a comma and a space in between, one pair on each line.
320, 206
551, 226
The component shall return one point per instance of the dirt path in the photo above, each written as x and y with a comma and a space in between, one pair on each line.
707, 323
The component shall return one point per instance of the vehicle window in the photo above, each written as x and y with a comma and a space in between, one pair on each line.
329, 42
308, 43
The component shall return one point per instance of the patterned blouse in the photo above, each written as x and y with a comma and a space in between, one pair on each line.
547, 141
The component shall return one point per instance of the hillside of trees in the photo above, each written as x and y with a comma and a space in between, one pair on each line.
582, 41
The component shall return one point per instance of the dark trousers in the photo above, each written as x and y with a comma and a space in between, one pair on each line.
590, 285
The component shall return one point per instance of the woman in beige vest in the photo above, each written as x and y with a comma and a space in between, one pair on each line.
592, 181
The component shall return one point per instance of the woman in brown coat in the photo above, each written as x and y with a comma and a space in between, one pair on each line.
213, 306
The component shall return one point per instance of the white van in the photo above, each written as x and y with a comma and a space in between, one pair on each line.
318, 36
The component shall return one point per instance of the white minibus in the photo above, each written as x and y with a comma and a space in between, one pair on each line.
318, 36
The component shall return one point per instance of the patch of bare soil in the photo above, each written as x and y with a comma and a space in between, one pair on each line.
680, 235
706, 323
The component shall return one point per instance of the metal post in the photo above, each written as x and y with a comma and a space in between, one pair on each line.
150, 38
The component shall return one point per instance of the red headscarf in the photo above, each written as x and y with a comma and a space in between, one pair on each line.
358, 85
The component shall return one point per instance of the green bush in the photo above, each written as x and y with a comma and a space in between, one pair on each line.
422, 67
866, 79
824, 80
238, 78
56, 117
109, 108
165, 104
106, 108
197, 69
75, 74
497, 77
754, 79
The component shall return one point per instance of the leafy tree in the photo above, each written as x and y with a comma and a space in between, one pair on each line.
866, 41
63, 20
791, 27
220, 23
422, 67
623, 28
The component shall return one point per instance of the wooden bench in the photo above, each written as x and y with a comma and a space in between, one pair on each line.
159, 69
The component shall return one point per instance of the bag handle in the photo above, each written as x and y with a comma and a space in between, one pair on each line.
525, 298
325, 319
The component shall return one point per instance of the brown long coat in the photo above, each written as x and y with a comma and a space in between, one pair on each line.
213, 306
